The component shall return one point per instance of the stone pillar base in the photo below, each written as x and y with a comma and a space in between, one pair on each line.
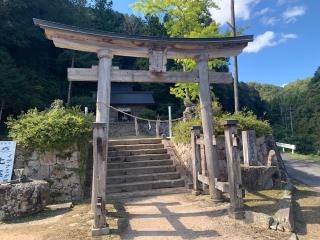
236, 214
95, 232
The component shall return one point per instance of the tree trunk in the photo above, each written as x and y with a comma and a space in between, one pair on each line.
1, 109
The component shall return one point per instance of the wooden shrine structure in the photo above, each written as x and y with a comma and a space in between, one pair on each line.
157, 50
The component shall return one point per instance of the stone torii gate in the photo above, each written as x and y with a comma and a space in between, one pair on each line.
157, 50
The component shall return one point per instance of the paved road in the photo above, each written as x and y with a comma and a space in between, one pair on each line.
304, 171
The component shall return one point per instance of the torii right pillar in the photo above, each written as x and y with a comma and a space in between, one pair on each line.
207, 125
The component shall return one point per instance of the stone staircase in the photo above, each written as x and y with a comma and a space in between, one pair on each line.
140, 165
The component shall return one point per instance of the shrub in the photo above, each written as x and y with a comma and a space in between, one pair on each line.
56, 128
247, 121
181, 130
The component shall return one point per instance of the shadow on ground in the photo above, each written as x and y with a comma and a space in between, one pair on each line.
44, 214
307, 212
174, 220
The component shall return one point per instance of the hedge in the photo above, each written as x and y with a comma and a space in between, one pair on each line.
247, 121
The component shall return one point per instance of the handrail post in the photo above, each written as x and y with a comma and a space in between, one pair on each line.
236, 209
170, 121
136, 126
195, 134
158, 128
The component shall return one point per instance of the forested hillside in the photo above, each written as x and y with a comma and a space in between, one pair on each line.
294, 112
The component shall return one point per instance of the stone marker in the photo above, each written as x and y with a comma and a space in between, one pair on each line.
250, 157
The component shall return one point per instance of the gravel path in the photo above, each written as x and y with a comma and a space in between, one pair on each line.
183, 216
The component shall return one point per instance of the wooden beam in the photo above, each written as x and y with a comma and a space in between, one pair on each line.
222, 186
196, 158
207, 125
234, 171
100, 144
203, 178
91, 75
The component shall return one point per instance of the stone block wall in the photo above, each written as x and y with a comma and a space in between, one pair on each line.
22, 199
60, 170
264, 145
126, 129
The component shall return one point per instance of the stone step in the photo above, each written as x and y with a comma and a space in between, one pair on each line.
135, 141
136, 164
141, 170
135, 147
139, 158
143, 177
153, 192
145, 185
122, 153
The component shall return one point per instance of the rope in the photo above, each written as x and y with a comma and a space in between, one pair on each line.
140, 118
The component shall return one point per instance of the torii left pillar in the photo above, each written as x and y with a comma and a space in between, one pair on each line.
100, 145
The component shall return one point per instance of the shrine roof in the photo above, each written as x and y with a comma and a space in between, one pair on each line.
89, 40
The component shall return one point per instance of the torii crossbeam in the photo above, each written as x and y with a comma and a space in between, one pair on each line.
158, 50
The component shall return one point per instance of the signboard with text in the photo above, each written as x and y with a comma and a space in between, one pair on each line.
7, 153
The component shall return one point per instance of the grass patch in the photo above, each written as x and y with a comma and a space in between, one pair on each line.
264, 201
312, 157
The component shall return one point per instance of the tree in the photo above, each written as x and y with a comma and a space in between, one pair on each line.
189, 19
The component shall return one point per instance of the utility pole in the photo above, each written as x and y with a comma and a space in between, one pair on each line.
291, 121
234, 60
70, 84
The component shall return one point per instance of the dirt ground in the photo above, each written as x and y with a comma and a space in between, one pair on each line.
307, 212
178, 216
61, 224
183, 216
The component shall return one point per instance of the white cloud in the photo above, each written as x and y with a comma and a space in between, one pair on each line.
291, 14
282, 2
242, 10
283, 85
268, 39
263, 11
289, 36
261, 41
269, 21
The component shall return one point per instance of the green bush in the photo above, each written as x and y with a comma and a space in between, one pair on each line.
247, 121
56, 128
181, 130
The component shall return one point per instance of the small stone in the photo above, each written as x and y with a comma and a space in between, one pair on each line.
274, 225
73, 224
280, 228
293, 237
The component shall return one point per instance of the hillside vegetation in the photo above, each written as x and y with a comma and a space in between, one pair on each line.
294, 112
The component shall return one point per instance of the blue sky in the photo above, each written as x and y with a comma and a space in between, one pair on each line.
286, 33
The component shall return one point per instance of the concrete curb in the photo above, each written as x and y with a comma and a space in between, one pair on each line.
282, 220
285, 214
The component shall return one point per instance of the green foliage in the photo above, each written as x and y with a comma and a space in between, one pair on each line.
189, 19
180, 17
181, 130
148, 113
247, 121
295, 103
57, 128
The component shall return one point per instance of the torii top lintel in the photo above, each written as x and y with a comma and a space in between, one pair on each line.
81, 39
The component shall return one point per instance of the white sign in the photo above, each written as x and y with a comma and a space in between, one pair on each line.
7, 153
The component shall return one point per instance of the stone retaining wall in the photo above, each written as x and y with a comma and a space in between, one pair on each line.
61, 171
22, 199
264, 145
125, 129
